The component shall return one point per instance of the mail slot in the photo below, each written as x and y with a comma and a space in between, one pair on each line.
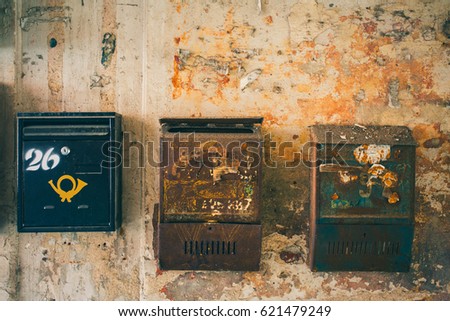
210, 183
362, 198
69, 172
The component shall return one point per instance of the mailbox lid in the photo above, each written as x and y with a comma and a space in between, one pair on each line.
223, 188
62, 183
363, 174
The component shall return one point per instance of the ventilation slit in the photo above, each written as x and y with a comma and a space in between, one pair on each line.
191, 248
234, 248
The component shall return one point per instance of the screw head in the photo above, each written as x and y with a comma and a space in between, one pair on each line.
65, 150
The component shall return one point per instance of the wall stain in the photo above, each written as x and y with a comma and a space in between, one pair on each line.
108, 48
38, 15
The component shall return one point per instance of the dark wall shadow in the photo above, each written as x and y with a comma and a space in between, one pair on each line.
7, 177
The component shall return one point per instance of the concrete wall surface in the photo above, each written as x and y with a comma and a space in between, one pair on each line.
294, 62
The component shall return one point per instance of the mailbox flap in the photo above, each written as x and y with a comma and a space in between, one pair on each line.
65, 130
211, 170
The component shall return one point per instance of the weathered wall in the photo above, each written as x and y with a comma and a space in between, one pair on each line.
296, 63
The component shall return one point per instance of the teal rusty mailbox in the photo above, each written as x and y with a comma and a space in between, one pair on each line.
68, 172
362, 198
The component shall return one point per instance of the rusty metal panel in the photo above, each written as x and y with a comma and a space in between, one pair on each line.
211, 173
362, 182
209, 246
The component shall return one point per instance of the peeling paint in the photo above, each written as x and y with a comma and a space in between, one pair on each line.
38, 15
108, 49
372, 154
393, 90
249, 78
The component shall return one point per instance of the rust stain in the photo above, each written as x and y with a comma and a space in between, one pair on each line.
176, 82
389, 179
270, 119
370, 27
268, 20
328, 109
394, 198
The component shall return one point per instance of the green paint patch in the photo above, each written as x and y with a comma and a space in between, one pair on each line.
248, 190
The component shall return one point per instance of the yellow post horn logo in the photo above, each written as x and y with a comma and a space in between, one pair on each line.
67, 195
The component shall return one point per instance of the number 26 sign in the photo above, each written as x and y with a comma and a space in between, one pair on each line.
39, 159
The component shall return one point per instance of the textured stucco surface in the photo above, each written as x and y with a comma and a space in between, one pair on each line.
296, 63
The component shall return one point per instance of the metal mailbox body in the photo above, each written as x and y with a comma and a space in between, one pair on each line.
362, 198
210, 186
69, 172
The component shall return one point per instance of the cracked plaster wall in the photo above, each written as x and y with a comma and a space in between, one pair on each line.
296, 63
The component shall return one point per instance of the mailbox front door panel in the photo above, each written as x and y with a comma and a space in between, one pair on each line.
65, 182
53, 209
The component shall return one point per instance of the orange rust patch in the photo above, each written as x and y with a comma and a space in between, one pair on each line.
394, 198
270, 119
268, 20
328, 108
176, 82
370, 27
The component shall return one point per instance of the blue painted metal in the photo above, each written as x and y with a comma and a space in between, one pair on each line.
65, 174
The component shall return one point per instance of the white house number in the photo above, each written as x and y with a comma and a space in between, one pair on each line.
39, 159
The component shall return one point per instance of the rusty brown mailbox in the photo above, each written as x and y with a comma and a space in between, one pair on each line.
362, 198
210, 187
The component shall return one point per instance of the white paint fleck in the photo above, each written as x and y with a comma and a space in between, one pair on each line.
249, 78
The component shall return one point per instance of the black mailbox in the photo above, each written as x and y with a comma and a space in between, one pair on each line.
69, 172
